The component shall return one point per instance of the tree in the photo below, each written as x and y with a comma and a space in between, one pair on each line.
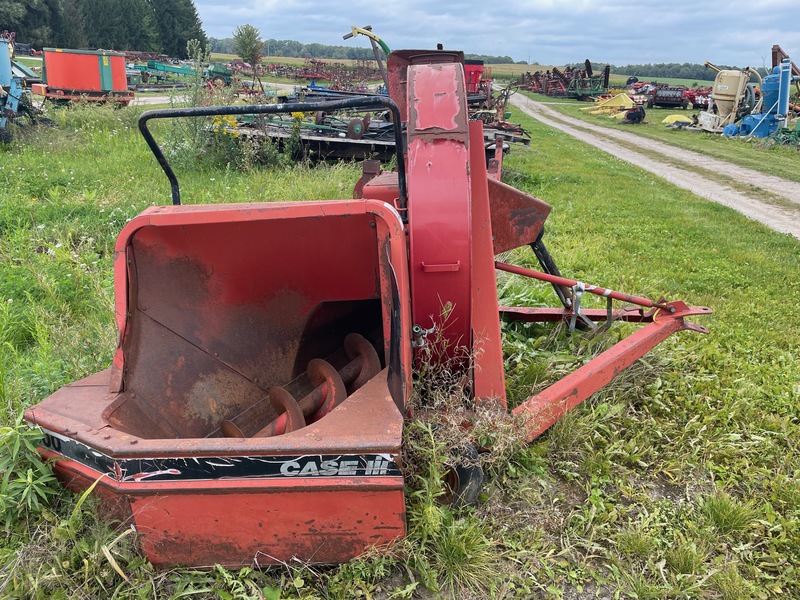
104, 25
142, 33
73, 32
108, 24
247, 43
177, 22
13, 12
223, 46
32, 20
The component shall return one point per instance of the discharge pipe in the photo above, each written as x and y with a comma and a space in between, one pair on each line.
375, 41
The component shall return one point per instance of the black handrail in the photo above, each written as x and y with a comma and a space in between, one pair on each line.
373, 102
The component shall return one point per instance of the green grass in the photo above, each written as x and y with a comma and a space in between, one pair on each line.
715, 416
29, 61
775, 160
617, 80
680, 480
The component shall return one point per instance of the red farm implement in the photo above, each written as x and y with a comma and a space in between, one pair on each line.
84, 75
668, 96
254, 408
698, 97
580, 84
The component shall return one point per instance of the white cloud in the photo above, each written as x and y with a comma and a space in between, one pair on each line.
734, 32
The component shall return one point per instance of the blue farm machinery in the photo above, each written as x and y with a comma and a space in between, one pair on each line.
775, 103
739, 107
15, 82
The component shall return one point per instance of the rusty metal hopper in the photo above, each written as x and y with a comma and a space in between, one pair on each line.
224, 312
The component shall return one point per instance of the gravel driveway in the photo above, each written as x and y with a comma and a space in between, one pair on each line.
783, 216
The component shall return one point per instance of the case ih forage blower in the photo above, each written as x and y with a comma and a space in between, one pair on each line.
254, 407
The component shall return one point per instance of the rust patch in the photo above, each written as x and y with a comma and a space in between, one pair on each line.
517, 217
436, 105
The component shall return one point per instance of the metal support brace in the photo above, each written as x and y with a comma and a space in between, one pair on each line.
549, 405
577, 293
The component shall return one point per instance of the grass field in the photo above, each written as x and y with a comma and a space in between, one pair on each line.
681, 480
34, 63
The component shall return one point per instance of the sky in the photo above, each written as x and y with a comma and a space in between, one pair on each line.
550, 32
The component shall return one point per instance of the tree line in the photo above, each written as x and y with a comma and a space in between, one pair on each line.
291, 48
147, 25
683, 71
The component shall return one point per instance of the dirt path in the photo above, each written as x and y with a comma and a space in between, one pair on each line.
165, 99
784, 217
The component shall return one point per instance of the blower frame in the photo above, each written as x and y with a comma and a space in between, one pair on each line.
254, 408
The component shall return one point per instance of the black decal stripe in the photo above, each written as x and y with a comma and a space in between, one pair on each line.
224, 467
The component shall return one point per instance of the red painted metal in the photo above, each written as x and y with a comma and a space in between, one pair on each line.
552, 315
439, 232
592, 289
398, 63
517, 218
321, 372
364, 365
239, 522
254, 407
473, 73
545, 408
362, 356
293, 414
211, 320
488, 374
85, 74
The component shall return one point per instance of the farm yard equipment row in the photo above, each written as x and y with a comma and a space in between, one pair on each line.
738, 106
341, 135
579, 84
255, 404
340, 76
668, 96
